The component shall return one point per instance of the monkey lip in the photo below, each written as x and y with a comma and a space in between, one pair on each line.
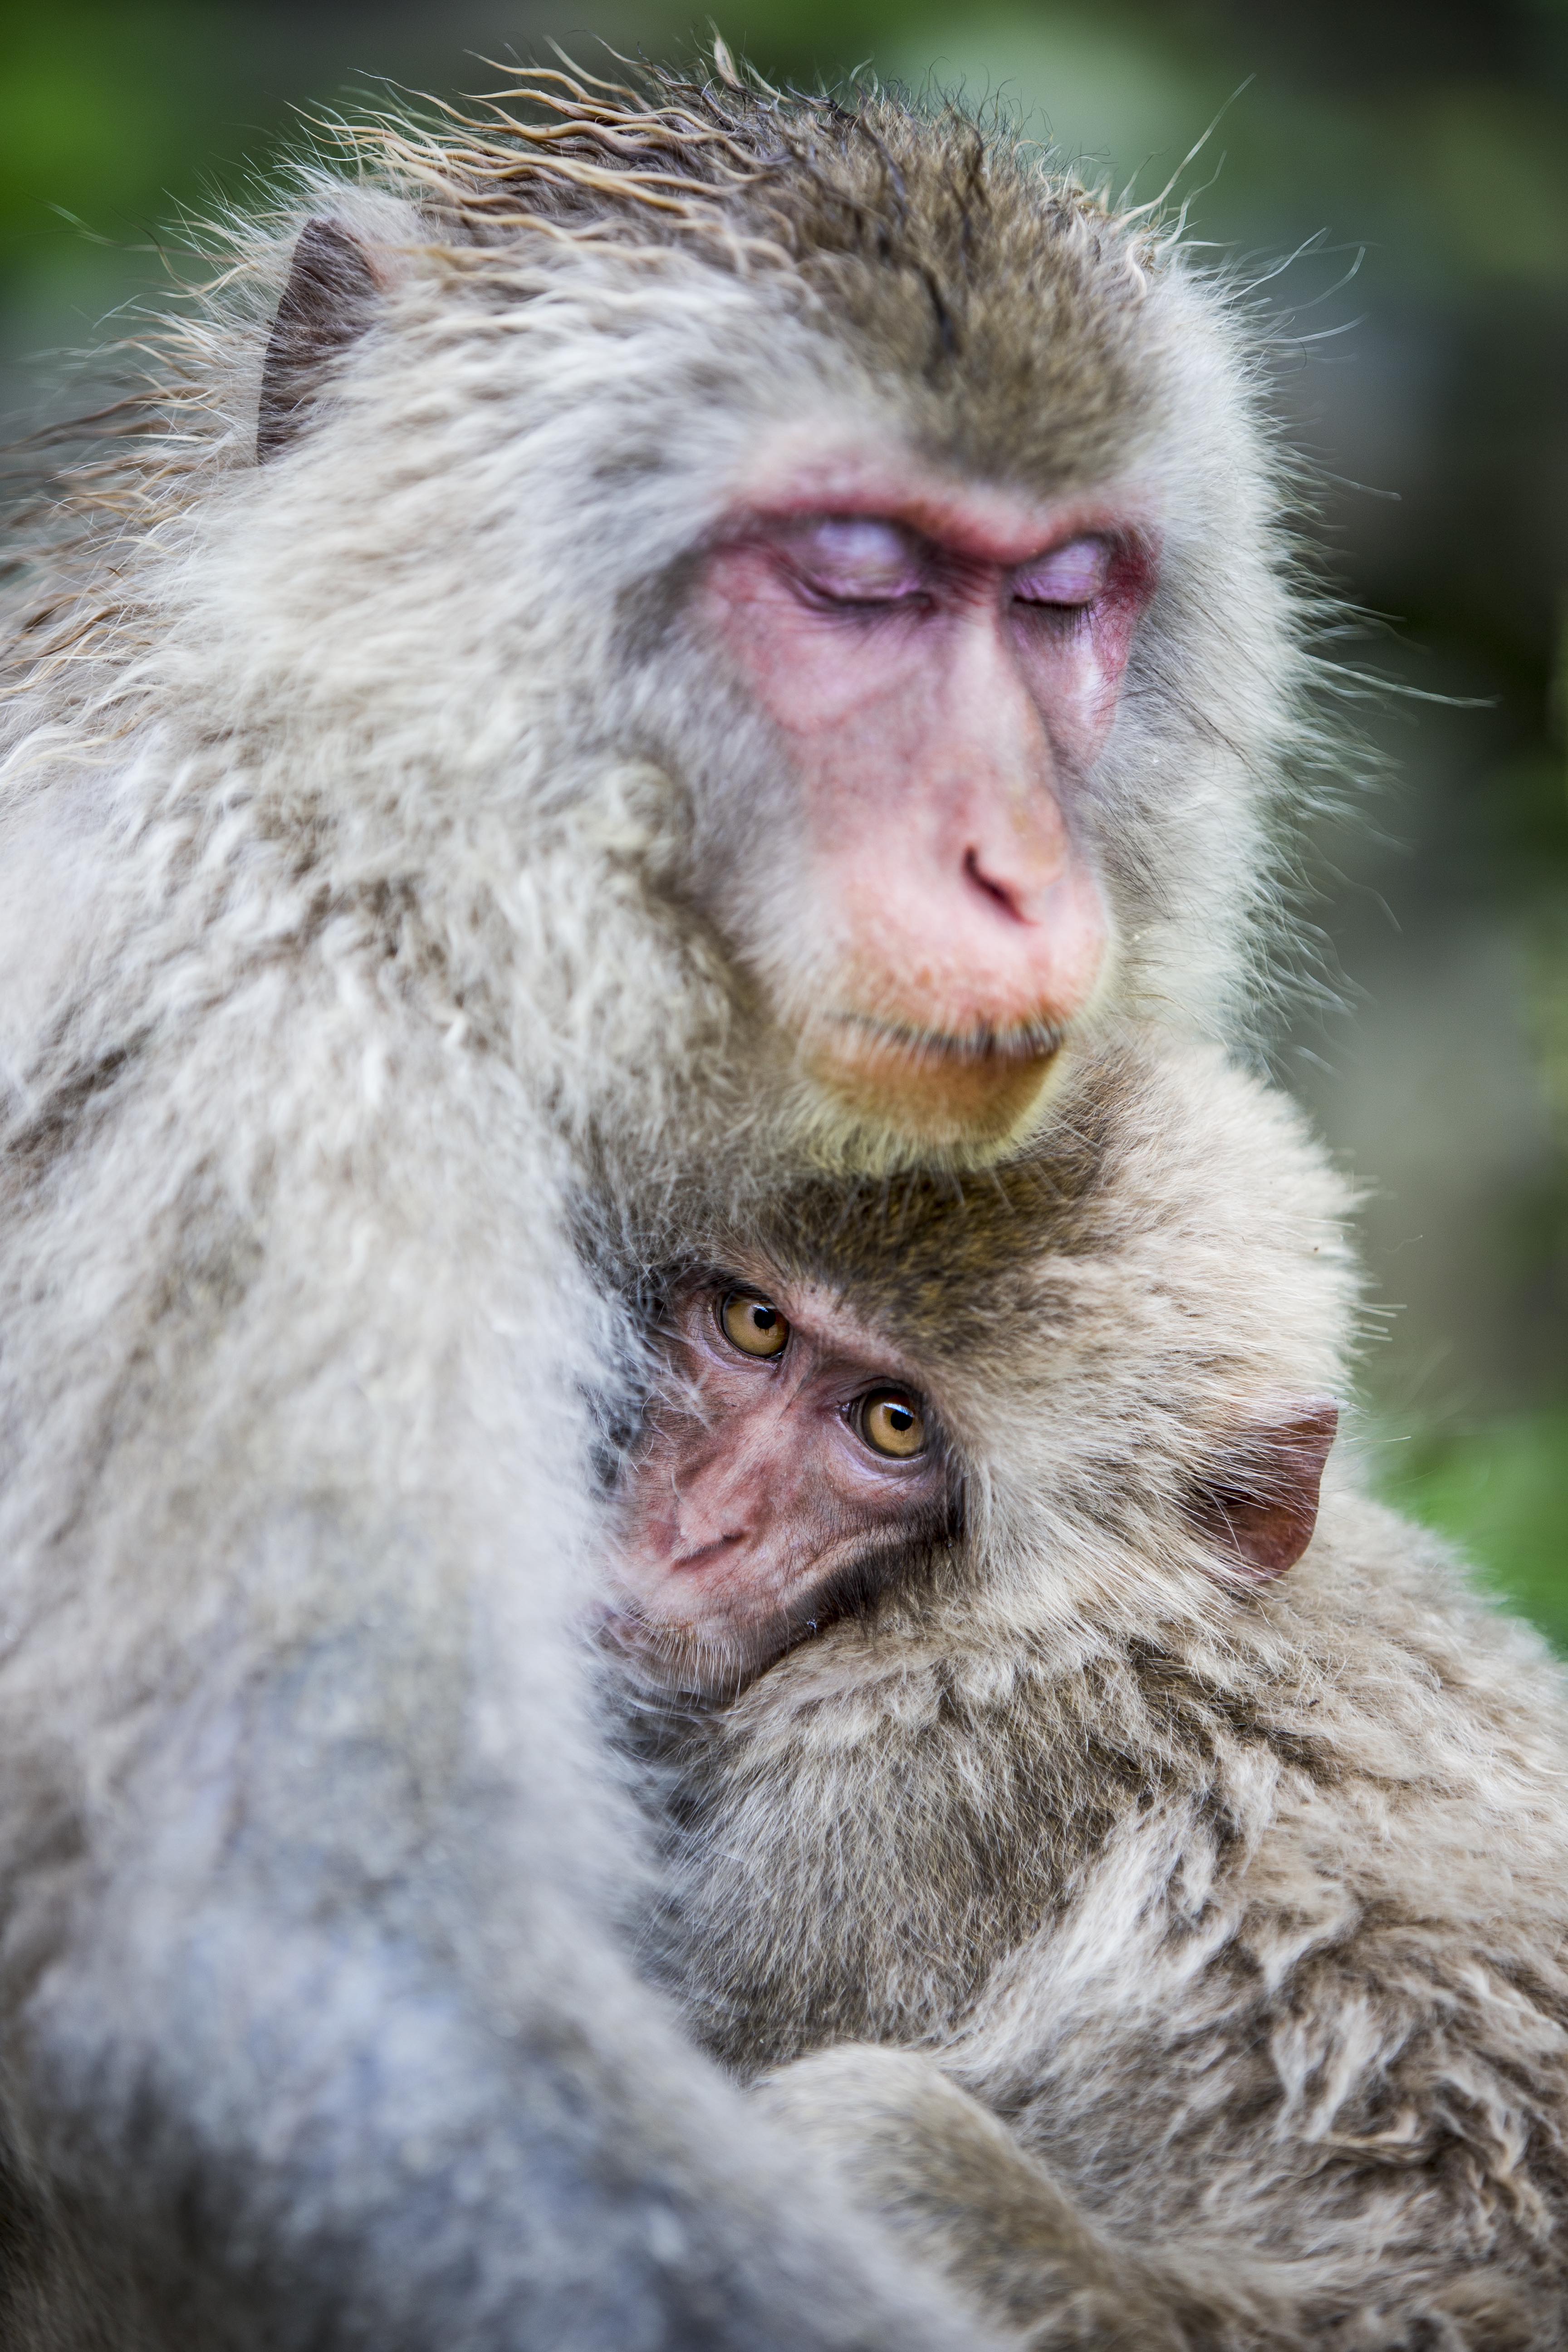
1020, 1042
948, 1090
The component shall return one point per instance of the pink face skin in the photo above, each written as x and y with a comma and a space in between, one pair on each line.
765, 1480
942, 664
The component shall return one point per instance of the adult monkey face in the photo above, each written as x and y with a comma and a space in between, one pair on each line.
942, 664
841, 575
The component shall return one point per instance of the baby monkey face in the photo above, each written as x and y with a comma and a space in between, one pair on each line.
789, 1470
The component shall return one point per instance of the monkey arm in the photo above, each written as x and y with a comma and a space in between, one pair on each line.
285, 2092
910, 2145
318, 2026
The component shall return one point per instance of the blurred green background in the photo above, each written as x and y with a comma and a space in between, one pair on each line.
1419, 153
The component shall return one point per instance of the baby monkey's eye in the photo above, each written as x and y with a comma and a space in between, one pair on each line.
890, 1421
752, 1325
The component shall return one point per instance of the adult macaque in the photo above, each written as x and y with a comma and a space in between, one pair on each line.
1221, 1911
602, 585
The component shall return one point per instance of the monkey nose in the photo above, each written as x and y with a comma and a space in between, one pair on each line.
708, 1551
1007, 896
1014, 854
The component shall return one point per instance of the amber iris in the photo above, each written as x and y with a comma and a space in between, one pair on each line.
891, 1422
752, 1325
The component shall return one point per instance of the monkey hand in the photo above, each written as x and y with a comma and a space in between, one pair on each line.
910, 2145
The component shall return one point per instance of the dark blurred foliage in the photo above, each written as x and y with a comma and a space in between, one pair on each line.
1414, 158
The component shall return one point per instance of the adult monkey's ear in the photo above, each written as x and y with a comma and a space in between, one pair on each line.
328, 304
1260, 1505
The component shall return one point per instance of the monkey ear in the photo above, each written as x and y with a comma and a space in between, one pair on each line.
327, 305
1259, 1508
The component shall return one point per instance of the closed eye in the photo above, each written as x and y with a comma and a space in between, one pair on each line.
1069, 576
857, 560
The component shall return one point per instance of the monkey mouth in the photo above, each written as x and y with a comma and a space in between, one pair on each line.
1016, 1044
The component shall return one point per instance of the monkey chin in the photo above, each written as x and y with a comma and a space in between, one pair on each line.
910, 1096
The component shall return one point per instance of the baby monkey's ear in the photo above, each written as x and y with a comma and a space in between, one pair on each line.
1260, 1506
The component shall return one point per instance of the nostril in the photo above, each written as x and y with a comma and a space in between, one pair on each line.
703, 1555
999, 895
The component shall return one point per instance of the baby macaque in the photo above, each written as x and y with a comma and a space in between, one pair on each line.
1173, 1946
795, 1469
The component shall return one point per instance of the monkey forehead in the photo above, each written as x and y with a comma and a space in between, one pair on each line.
1020, 330
935, 1262
793, 475
1024, 323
